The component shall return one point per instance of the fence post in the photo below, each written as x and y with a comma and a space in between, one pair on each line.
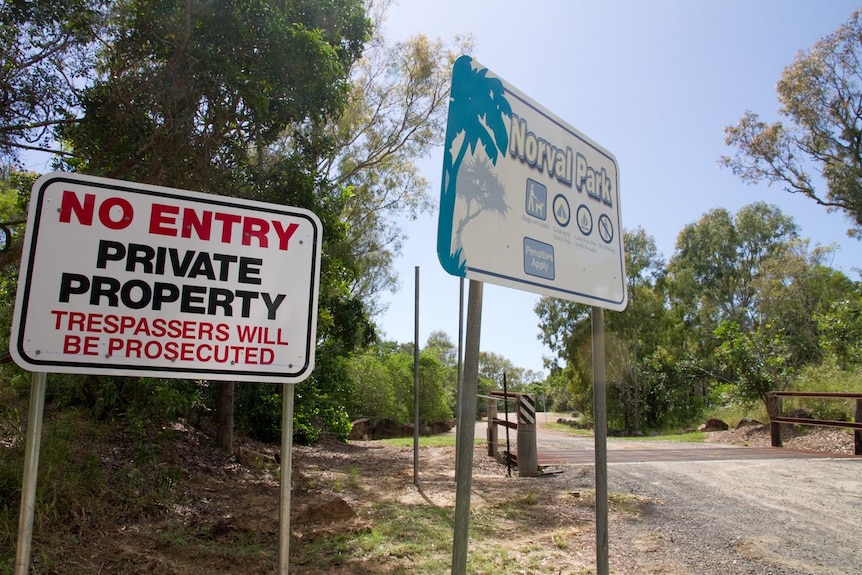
857, 435
773, 408
492, 428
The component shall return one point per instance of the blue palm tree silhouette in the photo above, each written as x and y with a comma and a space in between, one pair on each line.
477, 107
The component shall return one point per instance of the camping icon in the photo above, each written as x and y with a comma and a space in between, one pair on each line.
562, 210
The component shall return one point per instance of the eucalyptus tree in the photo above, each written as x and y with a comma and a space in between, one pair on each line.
47, 55
717, 260
395, 114
632, 339
796, 289
713, 277
816, 150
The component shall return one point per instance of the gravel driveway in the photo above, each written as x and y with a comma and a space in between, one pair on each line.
771, 516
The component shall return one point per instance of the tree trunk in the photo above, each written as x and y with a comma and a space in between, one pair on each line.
224, 415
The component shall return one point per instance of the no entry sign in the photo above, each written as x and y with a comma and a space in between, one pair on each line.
128, 279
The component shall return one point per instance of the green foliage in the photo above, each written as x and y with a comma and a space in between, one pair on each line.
383, 383
258, 411
395, 112
45, 50
231, 98
189, 94
819, 95
757, 362
840, 327
828, 376
374, 387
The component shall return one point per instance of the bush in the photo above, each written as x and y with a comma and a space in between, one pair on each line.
826, 377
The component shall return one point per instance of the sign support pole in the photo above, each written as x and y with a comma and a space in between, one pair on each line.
600, 428
416, 382
286, 466
467, 429
31, 469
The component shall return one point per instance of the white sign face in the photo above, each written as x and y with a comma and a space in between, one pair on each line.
527, 201
127, 279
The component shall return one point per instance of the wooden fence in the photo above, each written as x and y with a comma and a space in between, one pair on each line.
776, 419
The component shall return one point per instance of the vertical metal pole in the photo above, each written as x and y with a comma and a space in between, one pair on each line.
600, 421
31, 470
459, 392
857, 435
467, 430
416, 382
286, 466
506, 411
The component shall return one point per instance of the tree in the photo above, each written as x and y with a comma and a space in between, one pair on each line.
46, 48
15, 188
714, 278
840, 328
797, 287
395, 113
190, 91
192, 95
820, 98
717, 261
632, 338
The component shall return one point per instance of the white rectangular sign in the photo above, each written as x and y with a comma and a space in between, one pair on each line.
527, 201
129, 279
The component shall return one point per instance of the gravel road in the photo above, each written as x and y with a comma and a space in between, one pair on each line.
773, 516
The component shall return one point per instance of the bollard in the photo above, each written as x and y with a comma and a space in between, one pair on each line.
528, 457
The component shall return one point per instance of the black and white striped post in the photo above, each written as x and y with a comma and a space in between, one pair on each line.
528, 459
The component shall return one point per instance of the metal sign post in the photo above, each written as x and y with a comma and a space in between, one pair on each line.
31, 470
285, 479
416, 382
467, 430
600, 430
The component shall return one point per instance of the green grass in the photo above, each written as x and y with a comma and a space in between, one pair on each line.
441, 440
568, 429
692, 437
417, 539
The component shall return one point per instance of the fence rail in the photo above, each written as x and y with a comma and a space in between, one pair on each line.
776, 419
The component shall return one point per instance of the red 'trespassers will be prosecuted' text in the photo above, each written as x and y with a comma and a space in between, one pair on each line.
224, 289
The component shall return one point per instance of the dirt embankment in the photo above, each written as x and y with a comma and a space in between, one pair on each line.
789, 517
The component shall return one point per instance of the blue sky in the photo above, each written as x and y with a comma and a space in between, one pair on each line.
655, 83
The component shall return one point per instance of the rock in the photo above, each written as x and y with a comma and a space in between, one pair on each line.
365, 429
570, 422
713, 425
327, 519
361, 429
747, 422
255, 459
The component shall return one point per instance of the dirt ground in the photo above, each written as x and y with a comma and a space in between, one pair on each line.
225, 501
